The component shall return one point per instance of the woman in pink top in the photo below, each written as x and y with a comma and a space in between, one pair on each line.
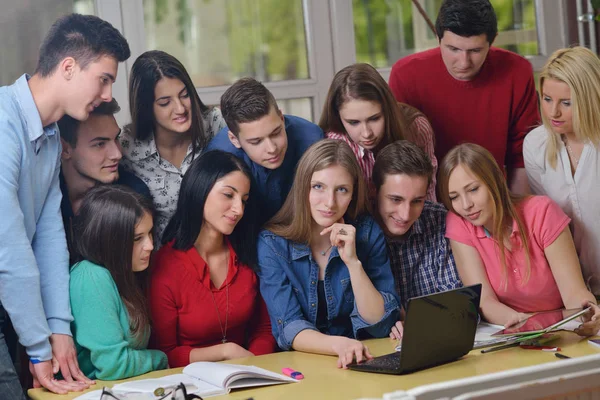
361, 110
519, 248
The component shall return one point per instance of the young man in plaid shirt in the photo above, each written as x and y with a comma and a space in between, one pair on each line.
420, 255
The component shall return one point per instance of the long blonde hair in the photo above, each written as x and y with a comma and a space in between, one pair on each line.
294, 219
579, 68
483, 165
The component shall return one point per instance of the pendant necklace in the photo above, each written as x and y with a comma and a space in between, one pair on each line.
570, 151
223, 330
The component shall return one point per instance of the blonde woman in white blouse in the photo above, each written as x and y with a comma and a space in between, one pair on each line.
562, 156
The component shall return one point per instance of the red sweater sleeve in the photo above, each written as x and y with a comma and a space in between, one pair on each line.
526, 116
163, 309
261, 340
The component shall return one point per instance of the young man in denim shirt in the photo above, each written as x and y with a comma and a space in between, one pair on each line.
76, 70
268, 141
420, 255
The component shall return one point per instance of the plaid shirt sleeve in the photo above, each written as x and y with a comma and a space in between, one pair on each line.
423, 263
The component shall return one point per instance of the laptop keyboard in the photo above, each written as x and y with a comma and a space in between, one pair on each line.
388, 362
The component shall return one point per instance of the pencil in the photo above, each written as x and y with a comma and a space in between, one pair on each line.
502, 347
562, 356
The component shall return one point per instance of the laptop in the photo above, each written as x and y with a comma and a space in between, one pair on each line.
438, 328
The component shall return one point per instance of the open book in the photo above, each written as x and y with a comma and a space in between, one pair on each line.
202, 378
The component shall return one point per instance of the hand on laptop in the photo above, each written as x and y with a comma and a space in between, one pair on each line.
591, 321
397, 331
348, 350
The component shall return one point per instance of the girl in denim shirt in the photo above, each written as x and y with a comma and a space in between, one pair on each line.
324, 271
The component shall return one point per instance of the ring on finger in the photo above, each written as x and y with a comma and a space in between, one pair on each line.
342, 232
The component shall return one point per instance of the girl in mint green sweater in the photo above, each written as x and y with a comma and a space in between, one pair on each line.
111, 326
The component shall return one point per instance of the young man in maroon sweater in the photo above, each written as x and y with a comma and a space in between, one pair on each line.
470, 91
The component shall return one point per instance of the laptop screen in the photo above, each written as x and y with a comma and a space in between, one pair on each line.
440, 327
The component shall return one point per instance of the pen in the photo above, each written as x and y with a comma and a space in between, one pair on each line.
502, 347
562, 356
543, 348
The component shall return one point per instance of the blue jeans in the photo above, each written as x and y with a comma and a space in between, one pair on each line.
10, 387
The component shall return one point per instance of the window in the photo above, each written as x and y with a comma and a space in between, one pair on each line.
387, 30
23, 26
220, 41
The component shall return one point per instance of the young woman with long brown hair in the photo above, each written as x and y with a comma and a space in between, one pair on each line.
361, 110
111, 319
519, 247
323, 265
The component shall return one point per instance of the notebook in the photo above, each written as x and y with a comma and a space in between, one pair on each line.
438, 328
203, 379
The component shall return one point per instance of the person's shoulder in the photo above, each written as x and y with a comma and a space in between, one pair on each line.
268, 236
534, 204
86, 273
512, 66
299, 129
506, 56
434, 215
539, 212
213, 115
221, 142
8, 103
271, 242
366, 227
130, 180
537, 138
133, 148
456, 223
213, 121
10, 115
416, 62
167, 256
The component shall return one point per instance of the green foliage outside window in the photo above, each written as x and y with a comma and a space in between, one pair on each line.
384, 29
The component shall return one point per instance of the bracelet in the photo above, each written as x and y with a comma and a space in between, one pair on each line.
35, 360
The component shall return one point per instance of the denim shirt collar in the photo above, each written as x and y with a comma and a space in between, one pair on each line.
30, 113
300, 250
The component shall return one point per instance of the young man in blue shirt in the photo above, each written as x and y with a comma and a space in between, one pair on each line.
268, 141
420, 255
90, 155
76, 69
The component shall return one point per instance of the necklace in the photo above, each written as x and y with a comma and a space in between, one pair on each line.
223, 330
570, 151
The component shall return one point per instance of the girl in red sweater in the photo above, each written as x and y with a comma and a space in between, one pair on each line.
204, 295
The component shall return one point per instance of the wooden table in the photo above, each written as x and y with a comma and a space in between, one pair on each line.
324, 380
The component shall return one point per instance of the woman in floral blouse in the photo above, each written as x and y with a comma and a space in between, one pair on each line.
170, 126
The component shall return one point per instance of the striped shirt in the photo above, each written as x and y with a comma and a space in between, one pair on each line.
422, 262
422, 137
